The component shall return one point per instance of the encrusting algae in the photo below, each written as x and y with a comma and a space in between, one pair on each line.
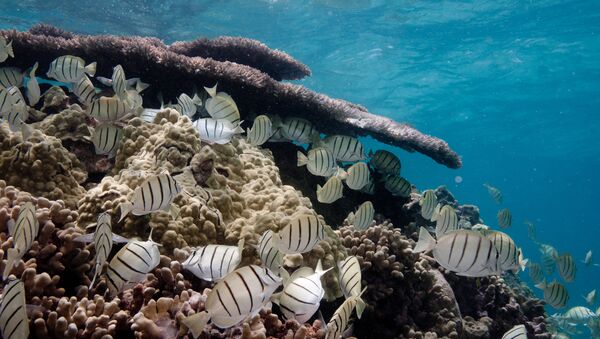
151, 224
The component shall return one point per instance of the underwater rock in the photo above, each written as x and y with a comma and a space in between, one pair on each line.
255, 91
41, 166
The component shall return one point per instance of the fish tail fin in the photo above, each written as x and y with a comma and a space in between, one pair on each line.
241, 245
9, 50
12, 255
302, 159
341, 173
426, 241
319, 269
96, 271
33, 69
125, 208
91, 69
26, 131
319, 188
197, 322
174, 211
238, 129
541, 285
196, 100
140, 86
360, 303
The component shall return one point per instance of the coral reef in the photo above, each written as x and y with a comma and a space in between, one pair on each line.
254, 90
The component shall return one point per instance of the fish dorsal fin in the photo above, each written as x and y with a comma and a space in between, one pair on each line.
212, 91
319, 269
301, 272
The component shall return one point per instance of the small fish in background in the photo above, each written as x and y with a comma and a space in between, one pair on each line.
69, 69
14, 322
260, 132
222, 106
445, 221
11, 76
270, 256
504, 218
385, 162
465, 252
579, 315
517, 332
213, 262
349, 276
131, 264
590, 298
343, 147
549, 256
495, 193
319, 161
510, 256
108, 109
238, 296
428, 203
107, 139
154, 194
216, 131
6, 49
589, 259
565, 264
188, 106
363, 217
555, 293
398, 186
103, 239
357, 176
300, 235
33, 88
302, 293
535, 272
331, 191
531, 233
23, 233
133, 83
84, 90
339, 320
299, 130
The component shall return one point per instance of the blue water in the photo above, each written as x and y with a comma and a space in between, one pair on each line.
513, 86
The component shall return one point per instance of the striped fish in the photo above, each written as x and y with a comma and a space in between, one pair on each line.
238, 296
445, 221
187, 105
566, 267
33, 88
555, 294
69, 69
270, 256
223, 107
339, 321
23, 233
131, 264
504, 218
350, 276
579, 315
358, 176
6, 49
319, 161
298, 130
103, 239
213, 262
468, 253
495, 193
130, 84
530, 230
398, 186
84, 90
108, 109
549, 255
107, 139
331, 191
385, 162
11, 100
510, 257
344, 148
428, 203
154, 194
535, 272
261, 131
517, 332
119, 84
11, 76
13, 313
363, 217
148, 114
16, 120
300, 235
302, 293
216, 131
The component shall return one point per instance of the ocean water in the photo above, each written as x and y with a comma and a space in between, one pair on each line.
512, 86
